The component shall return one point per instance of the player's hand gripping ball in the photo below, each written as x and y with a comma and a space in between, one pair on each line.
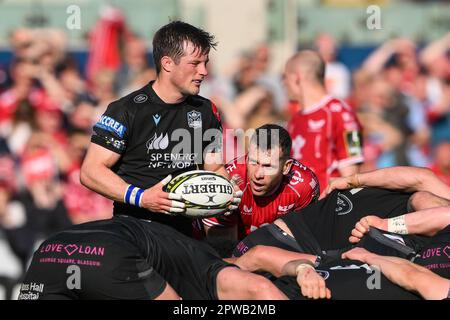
205, 193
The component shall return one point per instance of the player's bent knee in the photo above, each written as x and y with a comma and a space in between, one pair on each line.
233, 283
263, 289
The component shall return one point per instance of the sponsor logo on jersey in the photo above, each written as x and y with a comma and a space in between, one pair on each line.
156, 118
194, 119
111, 125
347, 116
296, 178
230, 167
70, 249
316, 125
435, 252
246, 210
343, 205
140, 98
117, 144
335, 107
160, 142
31, 291
285, 209
447, 251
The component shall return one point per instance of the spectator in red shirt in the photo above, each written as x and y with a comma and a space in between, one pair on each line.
82, 204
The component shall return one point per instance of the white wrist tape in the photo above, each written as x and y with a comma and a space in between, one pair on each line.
397, 225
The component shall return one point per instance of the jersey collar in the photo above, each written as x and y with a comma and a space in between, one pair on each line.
318, 105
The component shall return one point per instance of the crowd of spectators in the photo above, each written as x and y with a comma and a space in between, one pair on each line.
48, 107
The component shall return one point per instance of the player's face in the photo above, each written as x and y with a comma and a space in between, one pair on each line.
190, 71
265, 170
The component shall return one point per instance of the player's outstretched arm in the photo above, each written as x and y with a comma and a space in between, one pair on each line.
96, 174
409, 179
270, 259
424, 222
404, 273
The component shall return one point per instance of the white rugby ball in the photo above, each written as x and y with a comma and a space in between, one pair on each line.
205, 193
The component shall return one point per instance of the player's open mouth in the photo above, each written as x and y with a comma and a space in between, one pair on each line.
197, 82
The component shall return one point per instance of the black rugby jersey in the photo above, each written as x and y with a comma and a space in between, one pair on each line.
156, 139
331, 220
121, 258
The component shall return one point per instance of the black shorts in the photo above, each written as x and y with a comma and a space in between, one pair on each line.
331, 220
350, 280
121, 258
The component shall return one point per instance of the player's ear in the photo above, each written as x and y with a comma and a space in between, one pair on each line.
167, 63
287, 166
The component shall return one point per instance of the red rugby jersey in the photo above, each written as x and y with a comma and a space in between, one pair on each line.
298, 189
326, 137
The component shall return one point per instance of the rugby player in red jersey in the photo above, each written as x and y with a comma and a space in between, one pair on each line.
273, 184
326, 135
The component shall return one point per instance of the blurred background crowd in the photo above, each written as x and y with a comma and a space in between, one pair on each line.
51, 95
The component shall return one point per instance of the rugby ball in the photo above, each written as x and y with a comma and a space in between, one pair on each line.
205, 193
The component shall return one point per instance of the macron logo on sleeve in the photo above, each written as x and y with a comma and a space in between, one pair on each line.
109, 124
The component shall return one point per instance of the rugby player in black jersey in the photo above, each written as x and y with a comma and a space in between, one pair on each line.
147, 258
158, 132
328, 232
424, 273
323, 227
130, 258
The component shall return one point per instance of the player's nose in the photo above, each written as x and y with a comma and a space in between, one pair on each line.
203, 70
259, 174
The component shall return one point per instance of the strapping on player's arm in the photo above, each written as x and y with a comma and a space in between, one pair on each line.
311, 283
237, 195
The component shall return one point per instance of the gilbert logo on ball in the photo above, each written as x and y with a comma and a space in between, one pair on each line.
205, 193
